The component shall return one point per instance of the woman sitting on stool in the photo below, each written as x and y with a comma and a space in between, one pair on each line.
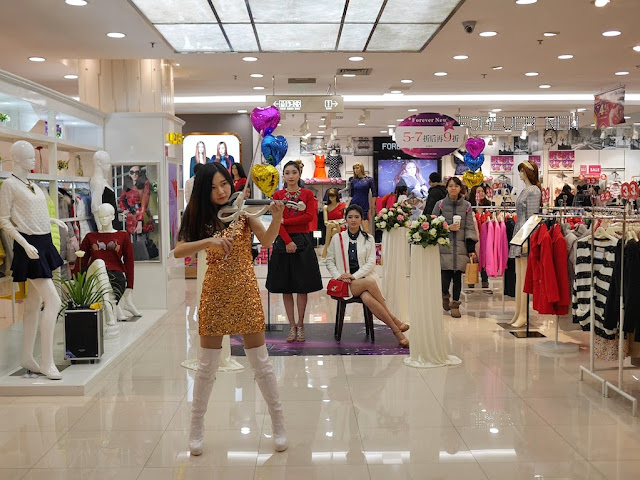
360, 255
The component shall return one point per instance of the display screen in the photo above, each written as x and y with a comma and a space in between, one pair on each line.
412, 173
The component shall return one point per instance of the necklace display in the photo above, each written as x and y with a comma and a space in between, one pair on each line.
292, 197
27, 183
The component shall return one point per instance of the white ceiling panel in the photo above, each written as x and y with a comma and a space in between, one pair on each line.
362, 11
176, 11
298, 37
241, 37
297, 11
231, 11
400, 37
354, 37
194, 37
424, 11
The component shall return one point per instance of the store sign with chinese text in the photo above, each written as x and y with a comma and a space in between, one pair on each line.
307, 103
429, 135
518, 123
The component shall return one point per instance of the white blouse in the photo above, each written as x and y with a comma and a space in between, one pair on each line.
22, 210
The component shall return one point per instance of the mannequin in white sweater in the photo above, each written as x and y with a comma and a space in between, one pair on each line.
24, 213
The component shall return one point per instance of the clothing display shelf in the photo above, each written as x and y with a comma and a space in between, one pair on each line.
625, 218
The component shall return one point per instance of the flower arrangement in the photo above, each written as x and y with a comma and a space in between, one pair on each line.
4, 117
429, 231
398, 215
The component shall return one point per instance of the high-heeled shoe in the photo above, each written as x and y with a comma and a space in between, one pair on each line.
402, 342
402, 326
292, 335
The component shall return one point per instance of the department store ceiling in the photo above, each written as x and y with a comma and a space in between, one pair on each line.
253, 26
62, 34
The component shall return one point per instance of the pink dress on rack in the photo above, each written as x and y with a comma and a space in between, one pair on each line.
490, 260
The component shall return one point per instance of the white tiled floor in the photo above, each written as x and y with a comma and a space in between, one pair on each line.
505, 413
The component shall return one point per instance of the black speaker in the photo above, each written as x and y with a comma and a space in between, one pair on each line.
83, 334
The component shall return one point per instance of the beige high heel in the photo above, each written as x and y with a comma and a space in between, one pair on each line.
292, 335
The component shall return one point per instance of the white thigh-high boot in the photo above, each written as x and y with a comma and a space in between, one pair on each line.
47, 291
266, 377
205, 376
30, 329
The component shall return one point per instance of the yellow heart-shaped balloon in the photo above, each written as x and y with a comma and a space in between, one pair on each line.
266, 178
471, 179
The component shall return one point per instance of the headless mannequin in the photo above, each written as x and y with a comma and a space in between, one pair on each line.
98, 182
41, 290
520, 317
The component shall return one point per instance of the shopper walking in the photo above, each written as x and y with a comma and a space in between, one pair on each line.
360, 259
453, 260
293, 267
230, 302
437, 192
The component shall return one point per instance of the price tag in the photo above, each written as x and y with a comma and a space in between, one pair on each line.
633, 190
545, 195
603, 176
607, 196
625, 191
581, 177
603, 197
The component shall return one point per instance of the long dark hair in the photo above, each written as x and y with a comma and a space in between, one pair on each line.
358, 209
200, 219
336, 192
292, 163
239, 169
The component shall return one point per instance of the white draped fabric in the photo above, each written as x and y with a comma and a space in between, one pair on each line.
395, 272
428, 348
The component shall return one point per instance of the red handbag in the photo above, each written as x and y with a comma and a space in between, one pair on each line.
335, 287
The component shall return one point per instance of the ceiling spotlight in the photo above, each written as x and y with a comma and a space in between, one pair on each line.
627, 117
601, 3
581, 110
523, 134
611, 33
497, 67
320, 131
460, 57
532, 74
636, 48
348, 75
622, 73
116, 35
383, 131
550, 34
399, 119
488, 34
242, 111
258, 88
526, 2
390, 126
496, 110
396, 92
362, 119
361, 124
249, 59
256, 75
76, 3
490, 142
406, 80
440, 74
356, 59
322, 126
567, 56
37, 59
412, 110
544, 86
71, 77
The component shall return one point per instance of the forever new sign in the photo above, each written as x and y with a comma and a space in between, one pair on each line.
307, 103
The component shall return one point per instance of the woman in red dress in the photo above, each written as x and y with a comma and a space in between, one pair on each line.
333, 213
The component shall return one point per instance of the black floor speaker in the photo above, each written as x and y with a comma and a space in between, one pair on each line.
83, 334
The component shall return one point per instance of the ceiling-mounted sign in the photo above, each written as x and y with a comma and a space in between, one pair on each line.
429, 135
307, 103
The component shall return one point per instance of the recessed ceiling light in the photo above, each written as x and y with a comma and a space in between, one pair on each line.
37, 59
550, 34
322, 126
601, 3
390, 126
320, 131
567, 56
412, 110
116, 35
348, 75
71, 76
76, 3
622, 73
636, 48
526, 2
460, 57
544, 86
440, 74
256, 75
581, 110
399, 119
242, 111
249, 59
627, 117
356, 59
395, 92
497, 67
406, 80
177, 64
383, 131
593, 124
488, 34
496, 110
611, 33
361, 124
258, 88
532, 74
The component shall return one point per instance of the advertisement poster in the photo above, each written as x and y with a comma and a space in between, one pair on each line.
561, 159
210, 147
414, 174
429, 135
173, 205
609, 108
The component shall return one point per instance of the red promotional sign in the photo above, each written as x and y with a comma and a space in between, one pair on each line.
591, 170
489, 192
633, 190
603, 197
609, 108
625, 191
545, 195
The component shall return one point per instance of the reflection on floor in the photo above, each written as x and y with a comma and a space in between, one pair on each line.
505, 413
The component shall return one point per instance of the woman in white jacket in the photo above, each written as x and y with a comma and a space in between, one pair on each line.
357, 268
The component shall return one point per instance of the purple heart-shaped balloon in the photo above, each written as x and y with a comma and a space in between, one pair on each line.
474, 146
265, 117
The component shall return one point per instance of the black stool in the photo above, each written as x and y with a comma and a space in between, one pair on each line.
340, 311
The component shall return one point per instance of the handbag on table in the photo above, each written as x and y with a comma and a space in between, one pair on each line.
335, 287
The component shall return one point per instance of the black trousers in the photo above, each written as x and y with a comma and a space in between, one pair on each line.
483, 276
447, 276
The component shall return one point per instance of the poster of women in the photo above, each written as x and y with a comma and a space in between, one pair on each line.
414, 174
210, 147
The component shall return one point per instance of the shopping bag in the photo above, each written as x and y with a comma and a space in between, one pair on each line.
471, 273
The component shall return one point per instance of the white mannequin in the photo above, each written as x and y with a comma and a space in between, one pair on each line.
41, 290
520, 316
106, 215
98, 182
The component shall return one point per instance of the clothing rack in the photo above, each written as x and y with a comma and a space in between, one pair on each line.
625, 217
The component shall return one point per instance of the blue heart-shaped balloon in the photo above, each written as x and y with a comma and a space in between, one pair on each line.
274, 149
473, 163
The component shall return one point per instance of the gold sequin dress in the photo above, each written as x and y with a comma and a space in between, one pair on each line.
230, 302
